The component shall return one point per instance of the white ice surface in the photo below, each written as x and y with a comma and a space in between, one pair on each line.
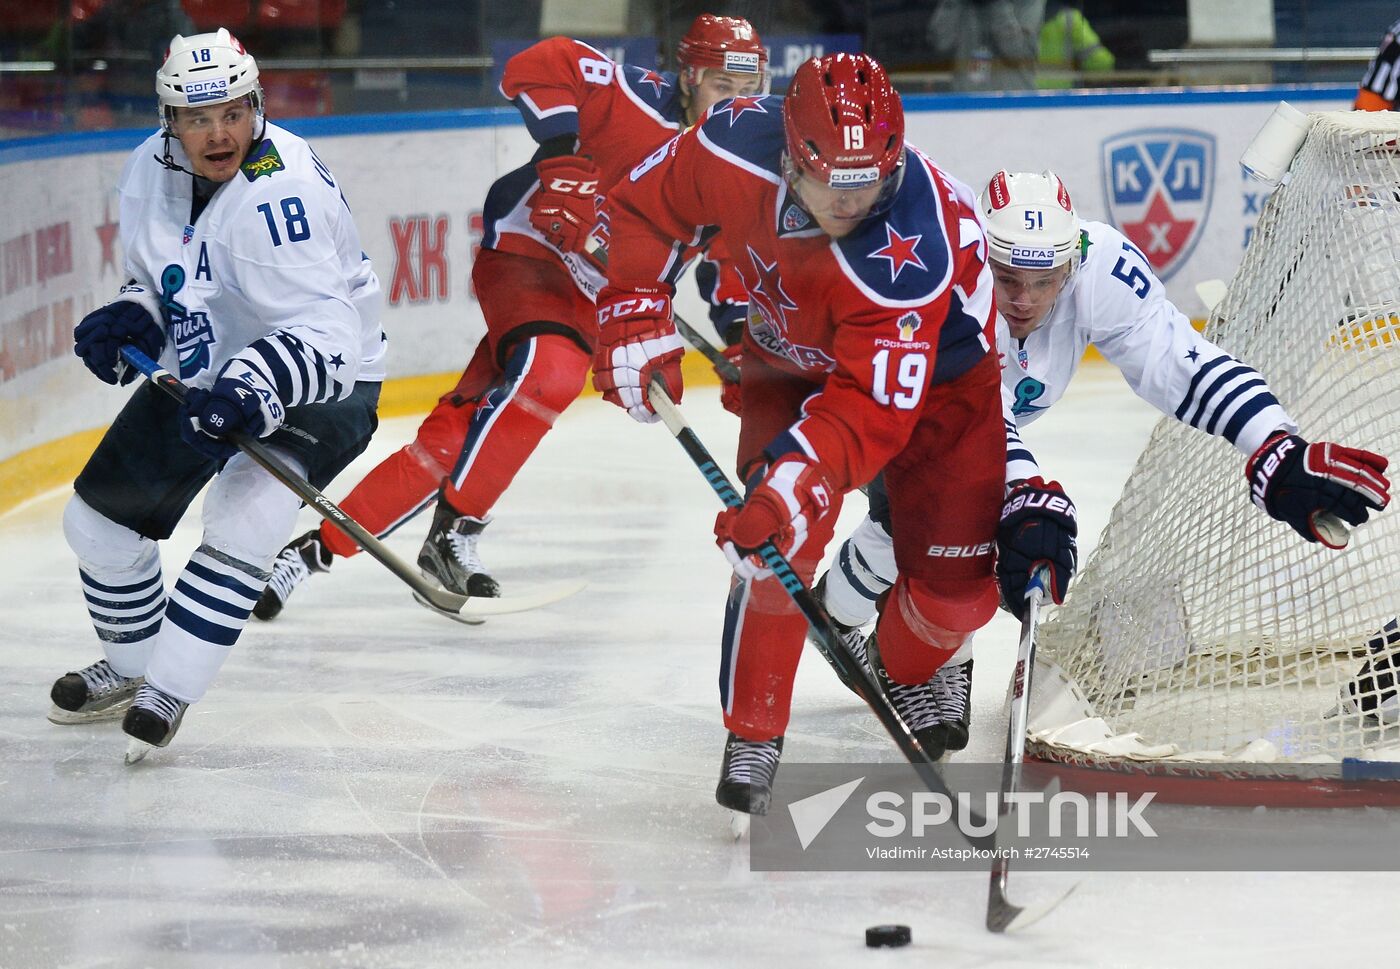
369, 785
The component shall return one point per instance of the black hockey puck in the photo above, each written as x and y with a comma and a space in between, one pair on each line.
891, 936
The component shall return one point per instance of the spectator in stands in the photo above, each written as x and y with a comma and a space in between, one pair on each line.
1378, 91
989, 43
1069, 48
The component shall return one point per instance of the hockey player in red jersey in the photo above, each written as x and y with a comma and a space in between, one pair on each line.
594, 119
870, 346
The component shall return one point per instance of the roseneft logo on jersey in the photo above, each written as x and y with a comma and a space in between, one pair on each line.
1159, 183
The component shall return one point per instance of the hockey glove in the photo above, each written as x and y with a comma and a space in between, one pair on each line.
1296, 482
636, 339
793, 496
99, 338
1038, 527
234, 405
564, 208
730, 397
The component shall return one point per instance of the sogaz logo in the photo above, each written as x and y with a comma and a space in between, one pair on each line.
741, 62
853, 177
1032, 257
1159, 183
214, 89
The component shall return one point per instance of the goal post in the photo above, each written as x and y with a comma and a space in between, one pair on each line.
1202, 632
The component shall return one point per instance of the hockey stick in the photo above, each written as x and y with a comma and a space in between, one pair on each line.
723, 365
459, 607
1002, 916
826, 639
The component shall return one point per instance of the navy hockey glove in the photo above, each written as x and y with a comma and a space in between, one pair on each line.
234, 405
1038, 527
1296, 482
99, 338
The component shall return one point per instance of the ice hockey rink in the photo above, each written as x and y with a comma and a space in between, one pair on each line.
370, 785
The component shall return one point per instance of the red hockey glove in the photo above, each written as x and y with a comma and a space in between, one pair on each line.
730, 397
636, 339
794, 495
564, 208
1038, 527
1297, 482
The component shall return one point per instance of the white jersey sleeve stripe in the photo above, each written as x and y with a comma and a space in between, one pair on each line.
1212, 401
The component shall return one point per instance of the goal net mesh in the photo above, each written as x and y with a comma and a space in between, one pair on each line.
1201, 629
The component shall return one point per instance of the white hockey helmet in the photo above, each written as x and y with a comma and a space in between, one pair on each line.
1030, 221
206, 69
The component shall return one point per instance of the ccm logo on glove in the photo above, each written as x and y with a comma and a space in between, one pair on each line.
574, 186
640, 306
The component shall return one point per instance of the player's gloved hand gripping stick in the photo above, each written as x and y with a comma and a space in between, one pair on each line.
723, 364
450, 604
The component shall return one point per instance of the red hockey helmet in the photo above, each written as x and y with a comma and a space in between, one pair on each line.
727, 43
844, 121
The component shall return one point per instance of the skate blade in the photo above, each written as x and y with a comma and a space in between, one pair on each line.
476, 609
136, 751
739, 823
67, 718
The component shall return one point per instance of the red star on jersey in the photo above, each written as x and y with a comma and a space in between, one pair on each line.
107, 235
737, 106
899, 250
1159, 235
656, 81
769, 292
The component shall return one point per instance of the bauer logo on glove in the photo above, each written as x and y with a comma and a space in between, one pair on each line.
1303, 484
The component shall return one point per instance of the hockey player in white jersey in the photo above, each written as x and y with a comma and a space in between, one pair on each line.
1062, 284
247, 279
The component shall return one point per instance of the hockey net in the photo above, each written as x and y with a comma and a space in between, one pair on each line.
1201, 631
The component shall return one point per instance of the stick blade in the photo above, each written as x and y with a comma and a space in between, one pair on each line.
1006, 918
474, 610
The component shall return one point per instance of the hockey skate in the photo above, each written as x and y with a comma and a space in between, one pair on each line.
952, 691
449, 554
293, 566
746, 775
152, 721
92, 694
928, 709
1373, 690
851, 636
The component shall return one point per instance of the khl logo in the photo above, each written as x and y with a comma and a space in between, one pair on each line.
1159, 183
